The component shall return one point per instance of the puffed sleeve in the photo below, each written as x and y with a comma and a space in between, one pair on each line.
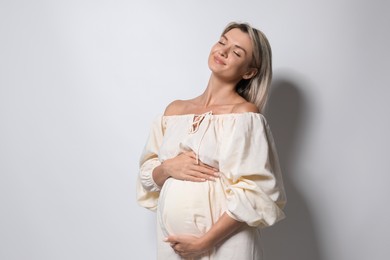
147, 190
250, 169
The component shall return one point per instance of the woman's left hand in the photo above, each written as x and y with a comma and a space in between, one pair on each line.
187, 245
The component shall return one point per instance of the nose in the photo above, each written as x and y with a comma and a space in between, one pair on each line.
223, 52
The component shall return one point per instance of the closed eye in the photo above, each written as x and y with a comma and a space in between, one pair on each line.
221, 42
237, 54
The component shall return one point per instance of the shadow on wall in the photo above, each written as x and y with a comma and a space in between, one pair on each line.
294, 238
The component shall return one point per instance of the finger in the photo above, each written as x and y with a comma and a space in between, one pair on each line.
170, 239
178, 249
190, 154
208, 166
196, 161
205, 170
200, 163
194, 178
198, 177
209, 170
199, 173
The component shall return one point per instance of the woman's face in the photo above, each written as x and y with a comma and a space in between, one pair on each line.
231, 56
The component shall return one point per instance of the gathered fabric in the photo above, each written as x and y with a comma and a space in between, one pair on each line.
249, 189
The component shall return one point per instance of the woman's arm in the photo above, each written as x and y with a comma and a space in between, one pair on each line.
184, 167
191, 246
223, 228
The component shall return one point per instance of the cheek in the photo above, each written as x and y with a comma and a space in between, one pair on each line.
210, 56
210, 61
239, 64
245, 64
213, 50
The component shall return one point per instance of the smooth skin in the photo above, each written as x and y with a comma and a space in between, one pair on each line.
229, 61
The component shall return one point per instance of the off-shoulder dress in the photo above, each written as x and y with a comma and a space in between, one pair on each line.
249, 189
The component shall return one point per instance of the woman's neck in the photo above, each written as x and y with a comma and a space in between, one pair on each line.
218, 92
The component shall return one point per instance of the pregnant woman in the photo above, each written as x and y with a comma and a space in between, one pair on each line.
209, 167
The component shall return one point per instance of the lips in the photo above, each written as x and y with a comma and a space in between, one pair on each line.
219, 60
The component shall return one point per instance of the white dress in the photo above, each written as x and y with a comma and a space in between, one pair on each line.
250, 187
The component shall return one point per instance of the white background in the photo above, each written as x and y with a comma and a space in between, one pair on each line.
81, 82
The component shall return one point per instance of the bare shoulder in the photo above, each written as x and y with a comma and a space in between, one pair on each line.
245, 107
175, 108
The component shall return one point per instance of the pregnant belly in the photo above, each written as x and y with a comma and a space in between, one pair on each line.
185, 207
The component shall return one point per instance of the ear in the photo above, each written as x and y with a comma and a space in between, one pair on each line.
250, 73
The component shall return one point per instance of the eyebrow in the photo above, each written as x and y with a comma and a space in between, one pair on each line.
237, 46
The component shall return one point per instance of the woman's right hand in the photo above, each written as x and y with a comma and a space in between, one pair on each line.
186, 167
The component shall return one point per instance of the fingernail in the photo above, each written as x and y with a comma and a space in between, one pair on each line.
165, 239
216, 174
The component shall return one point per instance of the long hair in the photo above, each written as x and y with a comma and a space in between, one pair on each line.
255, 89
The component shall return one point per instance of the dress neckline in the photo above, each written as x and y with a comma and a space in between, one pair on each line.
197, 120
212, 114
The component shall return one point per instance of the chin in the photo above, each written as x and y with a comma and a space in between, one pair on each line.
215, 68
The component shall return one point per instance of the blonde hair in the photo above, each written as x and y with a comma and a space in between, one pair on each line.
255, 89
